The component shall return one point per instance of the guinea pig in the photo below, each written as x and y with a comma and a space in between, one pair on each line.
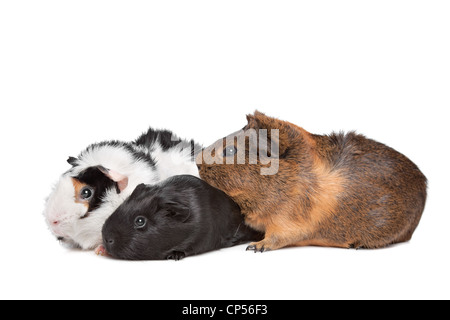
337, 190
104, 175
179, 217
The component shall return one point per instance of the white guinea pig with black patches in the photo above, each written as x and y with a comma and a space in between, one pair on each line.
105, 174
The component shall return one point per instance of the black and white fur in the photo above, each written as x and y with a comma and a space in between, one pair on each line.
179, 217
109, 172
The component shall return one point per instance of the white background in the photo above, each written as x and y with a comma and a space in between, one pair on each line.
77, 72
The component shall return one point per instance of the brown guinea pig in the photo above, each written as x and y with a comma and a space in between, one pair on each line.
338, 190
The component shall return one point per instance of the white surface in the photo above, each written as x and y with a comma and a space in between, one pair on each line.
72, 73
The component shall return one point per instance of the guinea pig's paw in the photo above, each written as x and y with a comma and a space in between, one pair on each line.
176, 255
101, 251
261, 246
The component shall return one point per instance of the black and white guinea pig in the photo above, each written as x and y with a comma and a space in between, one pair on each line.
104, 175
180, 217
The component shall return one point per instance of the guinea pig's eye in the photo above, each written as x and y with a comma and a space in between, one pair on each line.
229, 151
140, 222
86, 193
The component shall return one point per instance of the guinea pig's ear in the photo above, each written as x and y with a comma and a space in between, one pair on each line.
140, 186
177, 210
259, 120
286, 137
122, 181
72, 161
252, 123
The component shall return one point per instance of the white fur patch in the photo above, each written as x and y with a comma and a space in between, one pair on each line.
61, 209
174, 161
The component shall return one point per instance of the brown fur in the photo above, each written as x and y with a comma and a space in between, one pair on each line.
78, 185
340, 190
